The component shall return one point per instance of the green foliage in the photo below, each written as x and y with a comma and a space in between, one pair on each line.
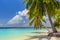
37, 10
57, 18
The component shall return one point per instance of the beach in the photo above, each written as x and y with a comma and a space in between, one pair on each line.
25, 34
19, 34
34, 36
41, 36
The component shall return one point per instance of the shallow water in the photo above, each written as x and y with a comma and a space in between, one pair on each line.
10, 33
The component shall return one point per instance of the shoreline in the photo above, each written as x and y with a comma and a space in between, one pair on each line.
31, 36
18, 27
35, 36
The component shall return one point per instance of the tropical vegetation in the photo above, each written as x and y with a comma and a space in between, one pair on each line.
40, 8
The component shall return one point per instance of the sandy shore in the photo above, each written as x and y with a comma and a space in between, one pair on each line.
32, 36
35, 36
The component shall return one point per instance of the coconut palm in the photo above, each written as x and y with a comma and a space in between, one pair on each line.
51, 11
36, 13
40, 8
57, 20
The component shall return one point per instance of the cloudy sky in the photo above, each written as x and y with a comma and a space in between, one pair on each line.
14, 14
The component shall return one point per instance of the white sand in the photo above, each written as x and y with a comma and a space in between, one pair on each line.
41, 36
34, 36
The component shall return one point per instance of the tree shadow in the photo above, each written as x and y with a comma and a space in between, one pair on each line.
39, 32
40, 37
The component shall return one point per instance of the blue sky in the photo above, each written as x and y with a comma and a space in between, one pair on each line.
8, 8
13, 13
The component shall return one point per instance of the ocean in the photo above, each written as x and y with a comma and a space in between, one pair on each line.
7, 33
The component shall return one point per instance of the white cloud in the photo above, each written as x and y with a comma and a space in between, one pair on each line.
18, 18
23, 13
15, 19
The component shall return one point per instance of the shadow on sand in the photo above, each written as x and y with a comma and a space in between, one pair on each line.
39, 37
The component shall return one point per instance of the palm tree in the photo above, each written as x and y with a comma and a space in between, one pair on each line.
36, 13
57, 20
40, 8
50, 8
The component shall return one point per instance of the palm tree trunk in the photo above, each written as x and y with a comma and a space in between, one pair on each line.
52, 25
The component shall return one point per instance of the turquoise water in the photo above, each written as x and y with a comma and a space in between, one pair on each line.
5, 33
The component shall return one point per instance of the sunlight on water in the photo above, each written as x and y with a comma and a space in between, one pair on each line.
6, 34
